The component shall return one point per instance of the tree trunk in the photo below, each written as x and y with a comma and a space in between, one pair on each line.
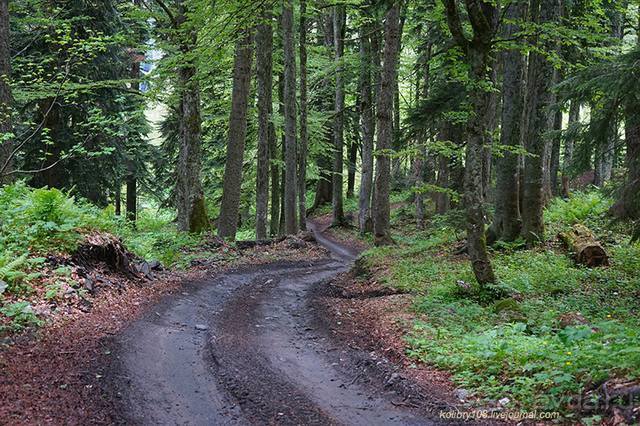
6, 98
384, 112
351, 166
324, 185
477, 52
628, 204
132, 192
423, 75
586, 249
367, 124
118, 199
291, 163
538, 121
442, 198
477, 127
232, 183
304, 137
506, 223
192, 212
567, 160
132, 178
264, 77
396, 169
492, 125
555, 153
338, 121
274, 223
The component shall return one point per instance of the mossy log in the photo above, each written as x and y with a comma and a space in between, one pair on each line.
587, 250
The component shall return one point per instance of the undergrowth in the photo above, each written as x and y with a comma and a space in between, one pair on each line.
548, 331
35, 223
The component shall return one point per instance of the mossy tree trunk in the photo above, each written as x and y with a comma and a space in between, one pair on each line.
192, 213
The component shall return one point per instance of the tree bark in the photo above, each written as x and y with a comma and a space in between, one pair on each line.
384, 115
351, 166
367, 124
264, 77
131, 177
6, 98
132, 192
506, 224
290, 186
192, 213
338, 121
555, 154
538, 121
118, 199
304, 136
477, 52
232, 182
567, 160
586, 249
423, 75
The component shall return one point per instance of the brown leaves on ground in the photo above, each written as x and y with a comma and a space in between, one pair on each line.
56, 374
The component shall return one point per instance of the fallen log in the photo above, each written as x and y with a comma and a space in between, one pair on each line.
586, 249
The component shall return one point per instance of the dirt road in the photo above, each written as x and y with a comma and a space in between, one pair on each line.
246, 347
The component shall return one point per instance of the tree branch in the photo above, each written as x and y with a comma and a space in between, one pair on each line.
454, 24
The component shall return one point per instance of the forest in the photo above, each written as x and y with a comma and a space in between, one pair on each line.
320, 212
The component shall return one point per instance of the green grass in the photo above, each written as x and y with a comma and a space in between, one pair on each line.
511, 340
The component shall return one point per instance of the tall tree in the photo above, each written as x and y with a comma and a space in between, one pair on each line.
338, 121
132, 175
538, 121
232, 184
506, 223
483, 17
423, 74
264, 77
324, 185
367, 124
567, 160
6, 100
384, 116
192, 212
290, 187
304, 134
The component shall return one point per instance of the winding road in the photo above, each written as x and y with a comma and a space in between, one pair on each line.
246, 347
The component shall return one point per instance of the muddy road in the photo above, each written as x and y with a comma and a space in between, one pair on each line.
248, 347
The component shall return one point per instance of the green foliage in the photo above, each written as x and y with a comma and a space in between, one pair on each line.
21, 314
543, 334
588, 208
44, 220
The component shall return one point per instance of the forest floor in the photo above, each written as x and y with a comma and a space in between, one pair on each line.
551, 338
337, 333
255, 339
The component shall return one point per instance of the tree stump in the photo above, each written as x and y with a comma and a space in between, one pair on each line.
587, 250
102, 247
